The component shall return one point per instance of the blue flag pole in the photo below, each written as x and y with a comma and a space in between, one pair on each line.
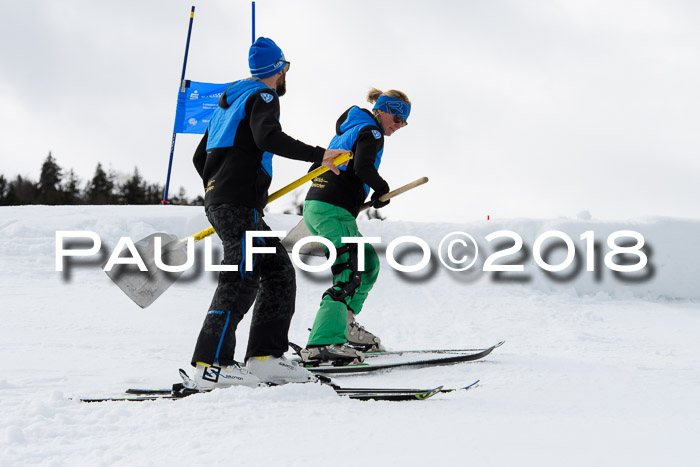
182, 89
253, 23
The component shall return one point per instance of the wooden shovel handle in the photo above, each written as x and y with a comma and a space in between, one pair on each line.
398, 191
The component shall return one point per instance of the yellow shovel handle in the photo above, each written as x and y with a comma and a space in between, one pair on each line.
338, 161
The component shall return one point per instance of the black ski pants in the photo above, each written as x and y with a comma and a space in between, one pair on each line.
271, 284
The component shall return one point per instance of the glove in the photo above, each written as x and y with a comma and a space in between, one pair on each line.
374, 201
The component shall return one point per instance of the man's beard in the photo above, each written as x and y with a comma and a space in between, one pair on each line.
282, 86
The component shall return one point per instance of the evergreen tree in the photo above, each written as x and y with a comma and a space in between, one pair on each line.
71, 190
49, 182
4, 186
180, 199
182, 194
154, 193
100, 189
55, 188
133, 191
22, 191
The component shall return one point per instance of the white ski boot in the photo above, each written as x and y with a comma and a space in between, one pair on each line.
274, 370
209, 377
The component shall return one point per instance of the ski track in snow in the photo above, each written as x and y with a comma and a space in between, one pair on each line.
591, 373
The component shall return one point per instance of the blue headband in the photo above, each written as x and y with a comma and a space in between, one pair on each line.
393, 106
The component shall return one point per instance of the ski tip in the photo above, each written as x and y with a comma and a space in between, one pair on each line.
499, 344
429, 394
473, 385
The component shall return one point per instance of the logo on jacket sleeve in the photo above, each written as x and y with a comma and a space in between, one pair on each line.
266, 97
376, 134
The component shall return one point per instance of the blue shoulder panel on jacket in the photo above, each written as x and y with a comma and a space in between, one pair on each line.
357, 120
351, 127
224, 123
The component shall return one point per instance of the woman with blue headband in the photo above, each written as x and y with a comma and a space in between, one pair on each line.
330, 210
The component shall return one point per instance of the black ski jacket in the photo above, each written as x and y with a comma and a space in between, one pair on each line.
234, 158
357, 129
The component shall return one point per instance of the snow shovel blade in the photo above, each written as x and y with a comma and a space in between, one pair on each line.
297, 233
144, 287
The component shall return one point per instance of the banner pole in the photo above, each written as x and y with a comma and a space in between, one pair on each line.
182, 89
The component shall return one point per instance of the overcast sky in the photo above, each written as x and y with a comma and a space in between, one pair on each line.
520, 109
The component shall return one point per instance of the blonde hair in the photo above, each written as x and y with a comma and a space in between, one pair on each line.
374, 94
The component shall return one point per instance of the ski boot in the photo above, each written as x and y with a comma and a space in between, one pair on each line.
359, 337
337, 354
209, 377
274, 370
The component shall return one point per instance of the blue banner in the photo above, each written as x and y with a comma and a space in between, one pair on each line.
196, 105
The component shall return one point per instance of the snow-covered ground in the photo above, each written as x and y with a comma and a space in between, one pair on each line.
596, 369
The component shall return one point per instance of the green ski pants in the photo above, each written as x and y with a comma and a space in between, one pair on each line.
333, 222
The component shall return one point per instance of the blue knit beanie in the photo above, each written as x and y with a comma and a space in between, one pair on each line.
265, 58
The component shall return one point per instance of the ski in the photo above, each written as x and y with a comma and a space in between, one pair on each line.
185, 389
379, 353
392, 390
129, 398
364, 394
384, 360
154, 393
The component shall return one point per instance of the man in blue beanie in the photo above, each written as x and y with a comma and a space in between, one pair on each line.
234, 160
